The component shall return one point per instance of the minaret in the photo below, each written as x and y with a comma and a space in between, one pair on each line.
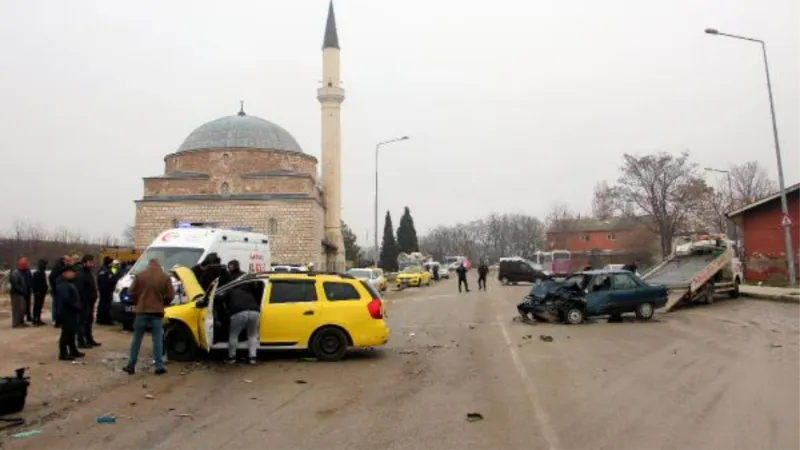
331, 96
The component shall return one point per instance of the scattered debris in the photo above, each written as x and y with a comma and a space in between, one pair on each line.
185, 415
253, 398
79, 362
776, 346
546, 338
675, 351
434, 346
774, 330
569, 337
144, 385
300, 382
45, 403
247, 381
412, 334
149, 397
409, 352
41, 363
106, 419
171, 409
133, 403
472, 327
26, 434
527, 336
474, 417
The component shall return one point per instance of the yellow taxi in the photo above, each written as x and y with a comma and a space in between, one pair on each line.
326, 314
413, 276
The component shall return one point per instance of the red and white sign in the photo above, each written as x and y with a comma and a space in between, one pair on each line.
786, 221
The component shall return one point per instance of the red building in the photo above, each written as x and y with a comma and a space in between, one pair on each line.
598, 242
762, 236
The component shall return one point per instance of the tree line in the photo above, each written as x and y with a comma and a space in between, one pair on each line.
666, 194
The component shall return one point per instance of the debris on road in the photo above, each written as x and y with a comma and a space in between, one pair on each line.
412, 334
474, 417
527, 336
300, 382
409, 352
776, 346
185, 415
546, 338
247, 381
149, 397
106, 419
26, 434
472, 327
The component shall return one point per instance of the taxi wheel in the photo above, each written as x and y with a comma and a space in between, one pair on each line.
329, 344
180, 344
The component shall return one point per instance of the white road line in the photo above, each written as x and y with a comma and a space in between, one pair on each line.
530, 389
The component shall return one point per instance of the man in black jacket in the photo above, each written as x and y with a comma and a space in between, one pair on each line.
483, 270
69, 315
87, 289
55, 274
462, 277
235, 270
20, 293
106, 282
39, 285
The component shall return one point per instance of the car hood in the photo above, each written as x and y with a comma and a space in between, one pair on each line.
409, 275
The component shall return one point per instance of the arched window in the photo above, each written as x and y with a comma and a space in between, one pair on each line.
272, 227
226, 158
224, 188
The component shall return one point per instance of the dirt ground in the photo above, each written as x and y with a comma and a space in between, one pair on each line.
718, 376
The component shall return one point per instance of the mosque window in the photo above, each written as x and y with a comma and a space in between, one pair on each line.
226, 157
224, 188
272, 227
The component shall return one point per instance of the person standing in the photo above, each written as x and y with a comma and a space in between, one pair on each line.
39, 288
69, 315
28, 300
235, 270
87, 288
462, 277
151, 291
245, 310
20, 293
107, 278
55, 274
483, 270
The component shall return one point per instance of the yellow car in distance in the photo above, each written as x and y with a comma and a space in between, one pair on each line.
326, 314
413, 276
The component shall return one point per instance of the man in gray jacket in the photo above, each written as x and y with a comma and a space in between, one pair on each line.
20, 293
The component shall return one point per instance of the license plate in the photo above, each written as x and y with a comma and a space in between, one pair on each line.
129, 308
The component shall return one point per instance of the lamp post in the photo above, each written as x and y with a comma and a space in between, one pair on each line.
377, 150
787, 234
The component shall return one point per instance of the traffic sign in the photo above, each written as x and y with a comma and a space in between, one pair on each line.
786, 221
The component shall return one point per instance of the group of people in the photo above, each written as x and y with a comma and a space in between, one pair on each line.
483, 271
75, 290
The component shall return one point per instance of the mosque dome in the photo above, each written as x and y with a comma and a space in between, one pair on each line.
240, 131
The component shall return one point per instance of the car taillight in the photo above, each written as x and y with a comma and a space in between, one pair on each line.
375, 308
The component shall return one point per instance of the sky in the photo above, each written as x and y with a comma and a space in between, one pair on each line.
511, 106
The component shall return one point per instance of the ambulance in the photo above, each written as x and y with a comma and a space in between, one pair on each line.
186, 247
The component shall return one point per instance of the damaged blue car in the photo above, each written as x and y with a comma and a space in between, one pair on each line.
594, 293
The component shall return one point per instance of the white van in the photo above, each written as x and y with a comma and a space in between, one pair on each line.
187, 247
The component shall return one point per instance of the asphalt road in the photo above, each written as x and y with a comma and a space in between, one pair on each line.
719, 376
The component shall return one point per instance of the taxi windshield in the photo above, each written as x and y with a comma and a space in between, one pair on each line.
412, 269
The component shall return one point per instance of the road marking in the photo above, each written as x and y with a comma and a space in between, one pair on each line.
530, 389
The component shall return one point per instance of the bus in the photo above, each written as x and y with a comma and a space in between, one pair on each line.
543, 261
562, 263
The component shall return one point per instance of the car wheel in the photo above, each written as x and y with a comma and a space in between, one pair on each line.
504, 280
180, 344
127, 325
574, 316
329, 344
735, 292
645, 311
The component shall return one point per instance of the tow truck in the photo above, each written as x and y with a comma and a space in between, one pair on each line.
699, 270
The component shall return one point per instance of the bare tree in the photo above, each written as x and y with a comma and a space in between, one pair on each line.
560, 217
750, 182
666, 188
605, 202
127, 236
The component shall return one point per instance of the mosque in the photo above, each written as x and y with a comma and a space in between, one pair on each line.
244, 171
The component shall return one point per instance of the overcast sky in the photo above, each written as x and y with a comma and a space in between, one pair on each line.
510, 105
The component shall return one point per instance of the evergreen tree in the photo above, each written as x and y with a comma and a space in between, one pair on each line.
352, 252
389, 248
406, 233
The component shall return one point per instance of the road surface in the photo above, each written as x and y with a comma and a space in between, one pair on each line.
718, 376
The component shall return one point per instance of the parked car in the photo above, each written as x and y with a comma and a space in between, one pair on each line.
371, 276
592, 294
324, 313
515, 270
413, 276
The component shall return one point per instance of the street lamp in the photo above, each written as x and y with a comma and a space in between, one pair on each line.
787, 235
377, 148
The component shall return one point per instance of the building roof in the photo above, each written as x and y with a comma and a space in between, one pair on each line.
240, 131
588, 225
331, 39
767, 199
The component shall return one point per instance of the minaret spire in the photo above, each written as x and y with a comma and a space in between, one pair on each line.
331, 35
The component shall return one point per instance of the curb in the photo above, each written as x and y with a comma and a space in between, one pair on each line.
790, 299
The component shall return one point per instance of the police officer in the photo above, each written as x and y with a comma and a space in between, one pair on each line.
87, 289
107, 278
